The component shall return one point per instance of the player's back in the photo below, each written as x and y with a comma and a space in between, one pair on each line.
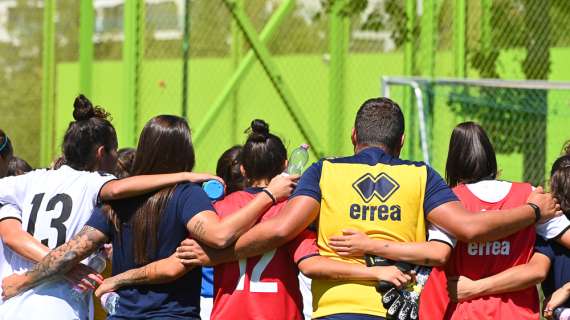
53, 205
480, 260
262, 287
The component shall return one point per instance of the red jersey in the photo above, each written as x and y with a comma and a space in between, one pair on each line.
481, 260
263, 287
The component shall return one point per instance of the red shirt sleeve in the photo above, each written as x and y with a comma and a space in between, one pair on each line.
303, 246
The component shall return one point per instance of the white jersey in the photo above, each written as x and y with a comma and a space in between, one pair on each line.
53, 206
6, 211
495, 191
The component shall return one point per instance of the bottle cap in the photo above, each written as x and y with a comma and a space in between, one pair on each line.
214, 189
305, 146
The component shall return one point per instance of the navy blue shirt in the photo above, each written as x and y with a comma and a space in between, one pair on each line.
176, 300
559, 273
437, 191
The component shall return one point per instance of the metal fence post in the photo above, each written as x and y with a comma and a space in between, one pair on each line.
132, 58
428, 32
459, 38
185, 60
86, 47
48, 83
486, 29
237, 53
338, 45
409, 69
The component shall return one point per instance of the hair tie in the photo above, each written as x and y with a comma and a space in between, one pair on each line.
4, 144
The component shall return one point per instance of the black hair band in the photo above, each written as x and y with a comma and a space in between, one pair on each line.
536, 209
270, 195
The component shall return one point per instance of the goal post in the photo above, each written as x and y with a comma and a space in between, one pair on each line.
526, 120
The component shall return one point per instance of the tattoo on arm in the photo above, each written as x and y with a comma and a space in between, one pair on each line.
198, 231
149, 274
65, 257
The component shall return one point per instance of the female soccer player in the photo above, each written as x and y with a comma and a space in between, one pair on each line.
6, 153
150, 227
227, 168
549, 264
53, 205
18, 166
472, 171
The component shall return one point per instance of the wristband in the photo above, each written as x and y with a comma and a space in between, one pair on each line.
536, 209
270, 195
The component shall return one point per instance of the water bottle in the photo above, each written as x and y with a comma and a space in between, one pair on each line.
561, 313
96, 263
110, 301
298, 160
214, 189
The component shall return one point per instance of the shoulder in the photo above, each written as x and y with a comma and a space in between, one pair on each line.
232, 201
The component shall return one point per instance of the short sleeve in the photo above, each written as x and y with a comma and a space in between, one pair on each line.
309, 184
98, 180
13, 189
99, 221
10, 211
553, 228
437, 234
303, 246
437, 191
544, 247
193, 200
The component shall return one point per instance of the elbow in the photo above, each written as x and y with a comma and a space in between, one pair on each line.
223, 240
110, 192
440, 260
469, 233
10, 241
540, 275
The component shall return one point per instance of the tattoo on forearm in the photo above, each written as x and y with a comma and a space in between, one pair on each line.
148, 274
65, 257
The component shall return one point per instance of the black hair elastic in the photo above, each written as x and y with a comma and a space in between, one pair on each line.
536, 209
270, 195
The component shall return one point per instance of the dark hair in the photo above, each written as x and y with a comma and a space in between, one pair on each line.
18, 166
6, 149
90, 130
380, 122
560, 182
471, 156
264, 154
164, 146
126, 157
228, 168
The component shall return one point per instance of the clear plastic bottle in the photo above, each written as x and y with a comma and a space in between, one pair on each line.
97, 263
298, 160
110, 301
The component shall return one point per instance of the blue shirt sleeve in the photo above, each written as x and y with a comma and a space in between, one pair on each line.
543, 246
309, 184
99, 221
193, 200
437, 191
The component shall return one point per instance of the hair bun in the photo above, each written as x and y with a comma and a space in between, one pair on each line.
259, 131
260, 127
83, 109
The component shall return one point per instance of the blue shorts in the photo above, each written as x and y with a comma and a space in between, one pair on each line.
351, 316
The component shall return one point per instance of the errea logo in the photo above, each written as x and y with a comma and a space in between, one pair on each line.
382, 186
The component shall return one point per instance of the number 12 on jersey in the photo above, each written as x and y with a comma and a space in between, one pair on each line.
255, 284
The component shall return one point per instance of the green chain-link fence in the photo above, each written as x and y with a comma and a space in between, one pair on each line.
319, 60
